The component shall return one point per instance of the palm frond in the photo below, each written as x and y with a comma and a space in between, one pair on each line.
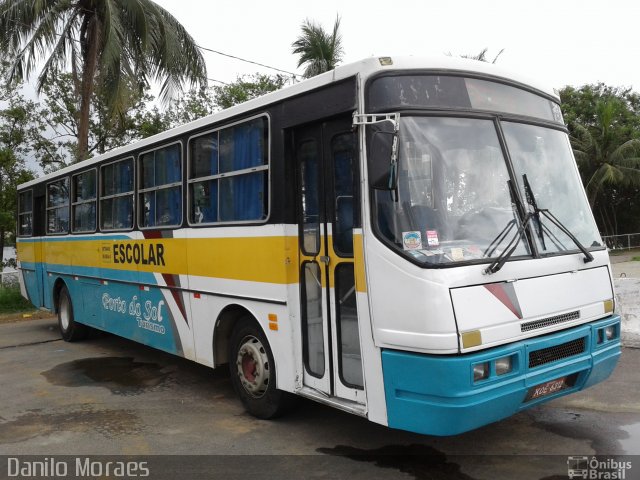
319, 51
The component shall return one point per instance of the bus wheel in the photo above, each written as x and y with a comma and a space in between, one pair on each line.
253, 372
70, 330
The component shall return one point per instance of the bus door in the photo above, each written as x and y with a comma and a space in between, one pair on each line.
327, 176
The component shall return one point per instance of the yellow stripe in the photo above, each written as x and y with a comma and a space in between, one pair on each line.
29, 251
358, 256
256, 259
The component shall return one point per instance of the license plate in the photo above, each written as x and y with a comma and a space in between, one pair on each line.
548, 388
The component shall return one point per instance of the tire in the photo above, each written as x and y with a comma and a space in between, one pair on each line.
253, 375
70, 330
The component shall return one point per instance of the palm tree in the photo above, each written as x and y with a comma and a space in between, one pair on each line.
481, 57
603, 157
107, 44
318, 50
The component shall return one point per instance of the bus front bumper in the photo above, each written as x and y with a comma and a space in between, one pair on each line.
438, 395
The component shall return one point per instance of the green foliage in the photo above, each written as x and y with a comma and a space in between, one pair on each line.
199, 103
20, 136
319, 50
107, 45
11, 301
107, 131
246, 88
604, 127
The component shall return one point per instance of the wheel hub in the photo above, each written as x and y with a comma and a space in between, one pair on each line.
64, 312
253, 366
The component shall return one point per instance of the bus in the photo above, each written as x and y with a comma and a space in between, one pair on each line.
404, 239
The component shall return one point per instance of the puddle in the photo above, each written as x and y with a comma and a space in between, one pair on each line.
121, 375
420, 461
35, 423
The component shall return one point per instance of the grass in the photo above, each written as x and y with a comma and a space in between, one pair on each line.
11, 301
636, 258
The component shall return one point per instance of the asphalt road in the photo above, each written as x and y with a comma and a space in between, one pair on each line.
109, 396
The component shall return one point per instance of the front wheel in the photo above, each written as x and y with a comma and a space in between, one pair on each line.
253, 372
70, 330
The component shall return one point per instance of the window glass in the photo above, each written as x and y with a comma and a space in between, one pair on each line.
84, 202
242, 197
242, 146
544, 156
147, 170
116, 202
25, 213
204, 198
308, 157
161, 198
84, 186
117, 213
346, 309
229, 174
312, 320
204, 156
342, 147
84, 217
58, 206
454, 202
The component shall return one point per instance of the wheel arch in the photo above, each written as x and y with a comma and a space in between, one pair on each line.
57, 288
225, 322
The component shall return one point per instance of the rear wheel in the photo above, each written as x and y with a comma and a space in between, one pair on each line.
253, 372
70, 330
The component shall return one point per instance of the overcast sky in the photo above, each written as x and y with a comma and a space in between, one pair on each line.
558, 42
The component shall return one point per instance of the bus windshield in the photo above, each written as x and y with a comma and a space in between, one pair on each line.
455, 199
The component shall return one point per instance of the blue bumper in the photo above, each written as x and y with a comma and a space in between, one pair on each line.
437, 394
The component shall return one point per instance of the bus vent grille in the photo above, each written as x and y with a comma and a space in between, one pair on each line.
547, 322
557, 352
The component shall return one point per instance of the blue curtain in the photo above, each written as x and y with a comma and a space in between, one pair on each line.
248, 190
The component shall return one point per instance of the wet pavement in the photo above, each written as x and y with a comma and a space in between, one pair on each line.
109, 396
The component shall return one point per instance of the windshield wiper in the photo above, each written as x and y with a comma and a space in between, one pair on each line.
531, 200
537, 211
501, 259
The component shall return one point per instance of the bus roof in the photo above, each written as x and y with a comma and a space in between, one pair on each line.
364, 68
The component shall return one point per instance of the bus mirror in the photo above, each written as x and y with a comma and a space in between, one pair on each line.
383, 160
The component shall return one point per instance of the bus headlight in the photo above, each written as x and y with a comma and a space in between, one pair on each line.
504, 365
610, 332
480, 371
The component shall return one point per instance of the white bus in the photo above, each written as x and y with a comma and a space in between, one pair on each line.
405, 239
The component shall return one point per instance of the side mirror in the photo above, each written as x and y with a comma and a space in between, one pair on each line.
383, 160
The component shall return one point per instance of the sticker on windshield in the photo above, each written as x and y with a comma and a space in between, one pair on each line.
457, 254
411, 240
432, 238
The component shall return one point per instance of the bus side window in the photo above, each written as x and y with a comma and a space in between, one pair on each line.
161, 187
228, 172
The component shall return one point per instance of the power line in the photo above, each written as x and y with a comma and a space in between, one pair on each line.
245, 60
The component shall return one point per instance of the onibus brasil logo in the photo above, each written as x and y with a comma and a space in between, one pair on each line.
597, 468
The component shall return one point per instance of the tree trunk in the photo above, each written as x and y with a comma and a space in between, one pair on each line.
90, 63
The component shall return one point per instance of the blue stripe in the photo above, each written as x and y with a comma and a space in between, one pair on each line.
73, 238
118, 307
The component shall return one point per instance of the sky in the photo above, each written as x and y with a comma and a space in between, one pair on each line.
561, 42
